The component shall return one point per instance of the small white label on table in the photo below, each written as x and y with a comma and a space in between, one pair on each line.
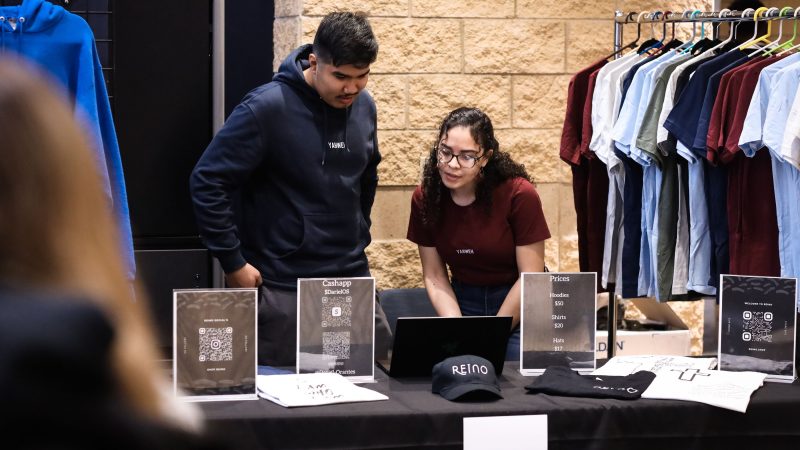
506, 432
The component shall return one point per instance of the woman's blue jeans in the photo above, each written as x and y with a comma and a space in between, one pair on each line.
486, 301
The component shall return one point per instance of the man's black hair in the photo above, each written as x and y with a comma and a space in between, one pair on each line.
345, 38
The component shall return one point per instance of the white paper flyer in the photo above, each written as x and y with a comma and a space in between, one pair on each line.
312, 389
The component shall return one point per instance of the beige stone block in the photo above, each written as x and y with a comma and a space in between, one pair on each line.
417, 45
288, 8
513, 46
539, 100
568, 253
547, 9
538, 151
309, 29
401, 151
390, 212
391, 98
433, 96
692, 315
286, 37
549, 195
374, 8
631, 311
551, 254
568, 218
464, 8
395, 264
588, 41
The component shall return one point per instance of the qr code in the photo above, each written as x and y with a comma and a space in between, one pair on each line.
336, 311
757, 326
216, 344
336, 343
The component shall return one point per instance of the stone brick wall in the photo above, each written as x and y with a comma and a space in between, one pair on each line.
511, 58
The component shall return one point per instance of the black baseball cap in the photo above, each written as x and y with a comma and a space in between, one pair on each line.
459, 375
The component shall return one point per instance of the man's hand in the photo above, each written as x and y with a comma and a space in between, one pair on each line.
246, 277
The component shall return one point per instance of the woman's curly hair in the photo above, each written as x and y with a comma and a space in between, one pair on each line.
499, 168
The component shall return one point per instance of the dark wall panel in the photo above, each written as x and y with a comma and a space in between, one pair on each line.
248, 48
162, 108
161, 271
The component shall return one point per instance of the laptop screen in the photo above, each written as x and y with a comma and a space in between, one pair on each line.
421, 342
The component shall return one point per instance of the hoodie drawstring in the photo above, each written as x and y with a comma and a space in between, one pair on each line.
2, 34
346, 146
325, 133
20, 25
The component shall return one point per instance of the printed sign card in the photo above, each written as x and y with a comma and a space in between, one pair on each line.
336, 327
558, 321
214, 344
757, 323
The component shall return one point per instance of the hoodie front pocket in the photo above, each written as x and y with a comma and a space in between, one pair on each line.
330, 236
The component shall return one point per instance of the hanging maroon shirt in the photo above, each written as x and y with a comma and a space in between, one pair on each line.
752, 220
589, 174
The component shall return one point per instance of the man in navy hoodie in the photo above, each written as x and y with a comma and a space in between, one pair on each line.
301, 155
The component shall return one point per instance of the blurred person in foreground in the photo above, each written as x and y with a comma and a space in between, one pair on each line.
78, 362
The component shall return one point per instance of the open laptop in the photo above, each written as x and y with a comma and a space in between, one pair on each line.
421, 342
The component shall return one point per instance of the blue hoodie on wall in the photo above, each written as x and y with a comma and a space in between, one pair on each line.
63, 44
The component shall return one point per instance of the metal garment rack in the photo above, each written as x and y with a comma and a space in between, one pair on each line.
99, 15
695, 16
668, 17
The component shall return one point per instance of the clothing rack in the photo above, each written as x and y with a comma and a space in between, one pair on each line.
724, 15
697, 16
664, 17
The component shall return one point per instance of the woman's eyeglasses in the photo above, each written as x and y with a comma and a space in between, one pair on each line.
465, 160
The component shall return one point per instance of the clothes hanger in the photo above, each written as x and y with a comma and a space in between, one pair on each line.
724, 16
794, 47
734, 43
733, 25
774, 44
705, 43
662, 46
703, 39
630, 44
649, 42
757, 40
666, 14
659, 44
790, 42
690, 42
673, 41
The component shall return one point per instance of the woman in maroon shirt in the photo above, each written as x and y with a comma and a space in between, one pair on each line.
476, 213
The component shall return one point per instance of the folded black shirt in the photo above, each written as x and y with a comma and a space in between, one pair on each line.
558, 380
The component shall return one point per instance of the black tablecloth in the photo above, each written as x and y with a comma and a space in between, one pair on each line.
414, 417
